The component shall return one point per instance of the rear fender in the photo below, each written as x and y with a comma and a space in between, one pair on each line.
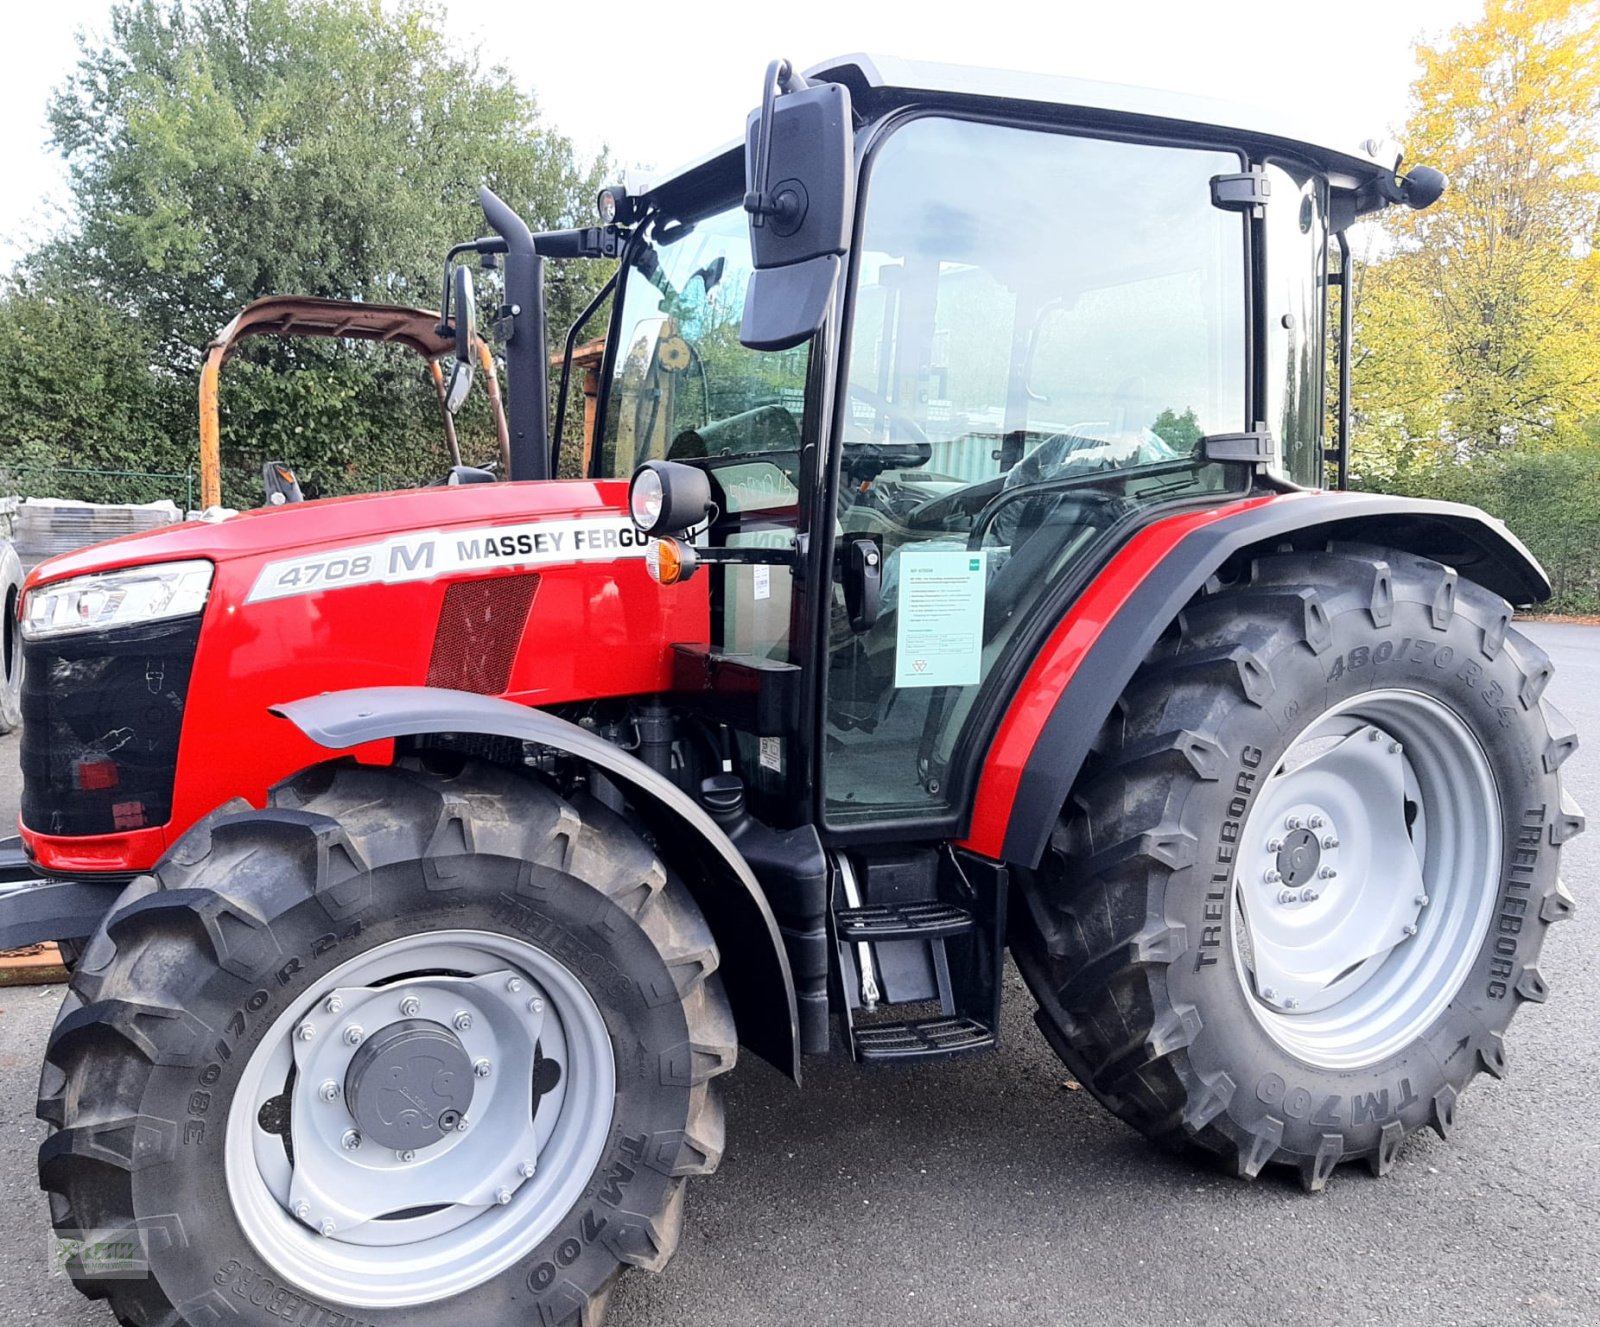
755, 968
1083, 668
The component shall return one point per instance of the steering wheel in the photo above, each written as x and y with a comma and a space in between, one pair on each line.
899, 418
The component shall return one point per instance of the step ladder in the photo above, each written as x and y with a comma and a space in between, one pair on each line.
938, 960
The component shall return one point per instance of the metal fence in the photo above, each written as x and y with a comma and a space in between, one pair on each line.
112, 486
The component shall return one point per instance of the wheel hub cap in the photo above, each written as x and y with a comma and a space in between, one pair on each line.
409, 1085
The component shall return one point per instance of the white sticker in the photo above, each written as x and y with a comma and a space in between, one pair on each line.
427, 555
772, 754
939, 635
763, 581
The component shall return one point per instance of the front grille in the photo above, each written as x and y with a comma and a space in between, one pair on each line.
480, 627
101, 716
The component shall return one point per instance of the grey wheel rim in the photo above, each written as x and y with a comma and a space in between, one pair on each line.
353, 1192
1366, 878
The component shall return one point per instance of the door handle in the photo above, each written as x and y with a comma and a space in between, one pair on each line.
863, 582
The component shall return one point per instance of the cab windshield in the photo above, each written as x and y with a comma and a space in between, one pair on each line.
683, 386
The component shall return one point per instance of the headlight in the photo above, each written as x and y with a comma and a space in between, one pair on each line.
126, 598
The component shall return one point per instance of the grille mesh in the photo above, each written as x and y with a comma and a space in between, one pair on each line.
479, 629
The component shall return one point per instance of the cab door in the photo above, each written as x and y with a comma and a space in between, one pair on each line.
1042, 328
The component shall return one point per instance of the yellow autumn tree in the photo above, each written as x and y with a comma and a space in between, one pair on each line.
1480, 328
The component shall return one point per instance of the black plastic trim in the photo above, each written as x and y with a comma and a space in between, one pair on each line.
1478, 546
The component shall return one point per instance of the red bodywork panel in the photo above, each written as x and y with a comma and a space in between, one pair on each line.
598, 625
1047, 679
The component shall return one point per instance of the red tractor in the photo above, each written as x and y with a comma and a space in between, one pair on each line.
954, 575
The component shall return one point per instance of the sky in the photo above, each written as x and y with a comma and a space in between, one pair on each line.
658, 83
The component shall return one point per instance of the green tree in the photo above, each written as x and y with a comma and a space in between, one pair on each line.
221, 150
1481, 328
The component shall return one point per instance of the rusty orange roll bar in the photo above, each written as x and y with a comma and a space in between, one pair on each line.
305, 315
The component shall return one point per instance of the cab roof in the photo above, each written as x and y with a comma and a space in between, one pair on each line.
880, 84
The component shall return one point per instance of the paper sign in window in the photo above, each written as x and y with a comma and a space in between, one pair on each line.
939, 635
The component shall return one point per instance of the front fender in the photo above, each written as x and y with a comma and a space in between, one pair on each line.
755, 967
1094, 651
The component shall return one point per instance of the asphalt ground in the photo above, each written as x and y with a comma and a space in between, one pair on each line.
988, 1192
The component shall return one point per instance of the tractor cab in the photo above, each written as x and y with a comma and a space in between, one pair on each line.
998, 331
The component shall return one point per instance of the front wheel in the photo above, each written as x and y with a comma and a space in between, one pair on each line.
1302, 889
412, 1048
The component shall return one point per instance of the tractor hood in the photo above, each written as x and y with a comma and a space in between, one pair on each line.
333, 522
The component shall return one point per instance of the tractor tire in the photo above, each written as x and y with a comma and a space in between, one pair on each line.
10, 645
410, 1046
1301, 888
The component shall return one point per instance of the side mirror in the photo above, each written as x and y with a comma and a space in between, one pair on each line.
460, 383
800, 195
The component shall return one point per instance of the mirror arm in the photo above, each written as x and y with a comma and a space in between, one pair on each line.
483, 246
781, 77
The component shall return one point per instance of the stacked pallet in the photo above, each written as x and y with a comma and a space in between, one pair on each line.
47, 527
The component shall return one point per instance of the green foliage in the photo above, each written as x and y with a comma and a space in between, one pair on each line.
1549, 496
1181, 432
1477, 333
221, 151
77, 389
1480, 327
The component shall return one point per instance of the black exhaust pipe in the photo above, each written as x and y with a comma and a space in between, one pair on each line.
527, 356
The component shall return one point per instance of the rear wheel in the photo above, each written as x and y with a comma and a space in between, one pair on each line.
412, 1048
1302, 889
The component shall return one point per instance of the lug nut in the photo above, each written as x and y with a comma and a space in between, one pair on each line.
406, 1154
329, 1091
1421, 900
350, 1141
326, 1228
1274, 845
305, 1032
1316, 822
410, 1007
353, 1035
1330, 842
333, 1004
462, 1021
1309, 895
1395, 748
1293, 822
1273, 876
1267, 993
502, 1196
302, 1209
1291, 1003
1409, 929
480, 1069
526, 1170
465, 1121
1328, 873
514, 985
1287, 896
1373, 734
536, 1005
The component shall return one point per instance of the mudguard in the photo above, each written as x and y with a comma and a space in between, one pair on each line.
755, 967
1086, 663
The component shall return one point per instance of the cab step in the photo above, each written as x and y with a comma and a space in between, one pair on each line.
903, 921
919, 974
922, 1039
